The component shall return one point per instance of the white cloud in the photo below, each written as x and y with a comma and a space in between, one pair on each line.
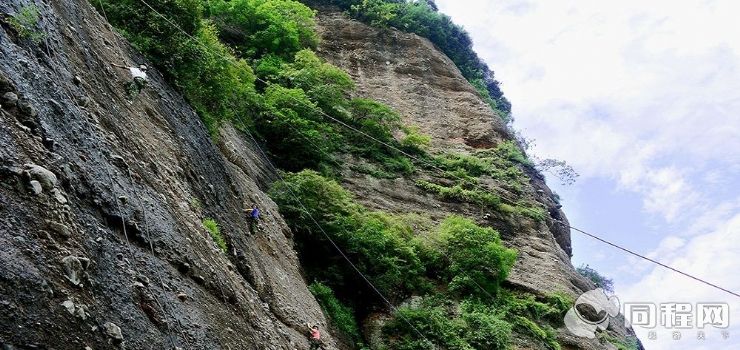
667, 192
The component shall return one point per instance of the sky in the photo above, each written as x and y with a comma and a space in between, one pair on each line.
642, 98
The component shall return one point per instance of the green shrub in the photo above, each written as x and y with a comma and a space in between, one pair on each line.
458, 193
500, 163
161, 42
293, 129
324, 84
340, 315
269, 68
628, 343
473, 166
599, 280
213, 229
486, 330
382, 247
394, 163
414, 141
374, 118
26, 21
510, 151
216, 72
444, 325
323, 198
544, 309
529, 314
545, 334
538, 214
561, 301
478, 259
259, 27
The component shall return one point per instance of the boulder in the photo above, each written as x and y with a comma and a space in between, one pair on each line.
10, 99
74, 267
5, 84
113, 331
44, 176
59, 228
26, 108
36, 187
70, 306
57, 193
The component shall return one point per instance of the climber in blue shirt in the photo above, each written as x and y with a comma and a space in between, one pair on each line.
253, 216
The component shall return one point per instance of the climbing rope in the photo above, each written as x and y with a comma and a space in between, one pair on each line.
649, 259
102, 9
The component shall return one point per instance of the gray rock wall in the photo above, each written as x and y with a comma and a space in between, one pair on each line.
69, 276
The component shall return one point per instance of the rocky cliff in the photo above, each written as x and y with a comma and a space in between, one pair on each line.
411, 75
102, 199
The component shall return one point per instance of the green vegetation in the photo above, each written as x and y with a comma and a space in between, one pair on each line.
545, 334
561, 302
629, 343
386, 247
379, 244
215, 232
414, 141
478, 259
473, 323
535, 316
442, 328
599, 280
467, 179
502, 164
257, 27
341, 316
523, 209
25, 22
460, 194
422, 18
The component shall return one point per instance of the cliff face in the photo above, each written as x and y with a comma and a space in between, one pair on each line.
112, 247
424, 86
102, 199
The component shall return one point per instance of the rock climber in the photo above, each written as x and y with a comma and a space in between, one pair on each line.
314, 338
253, 216
138, 79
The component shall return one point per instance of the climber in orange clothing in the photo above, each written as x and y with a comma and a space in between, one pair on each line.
314, 337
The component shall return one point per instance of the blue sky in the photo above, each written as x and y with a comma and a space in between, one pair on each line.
643, 99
